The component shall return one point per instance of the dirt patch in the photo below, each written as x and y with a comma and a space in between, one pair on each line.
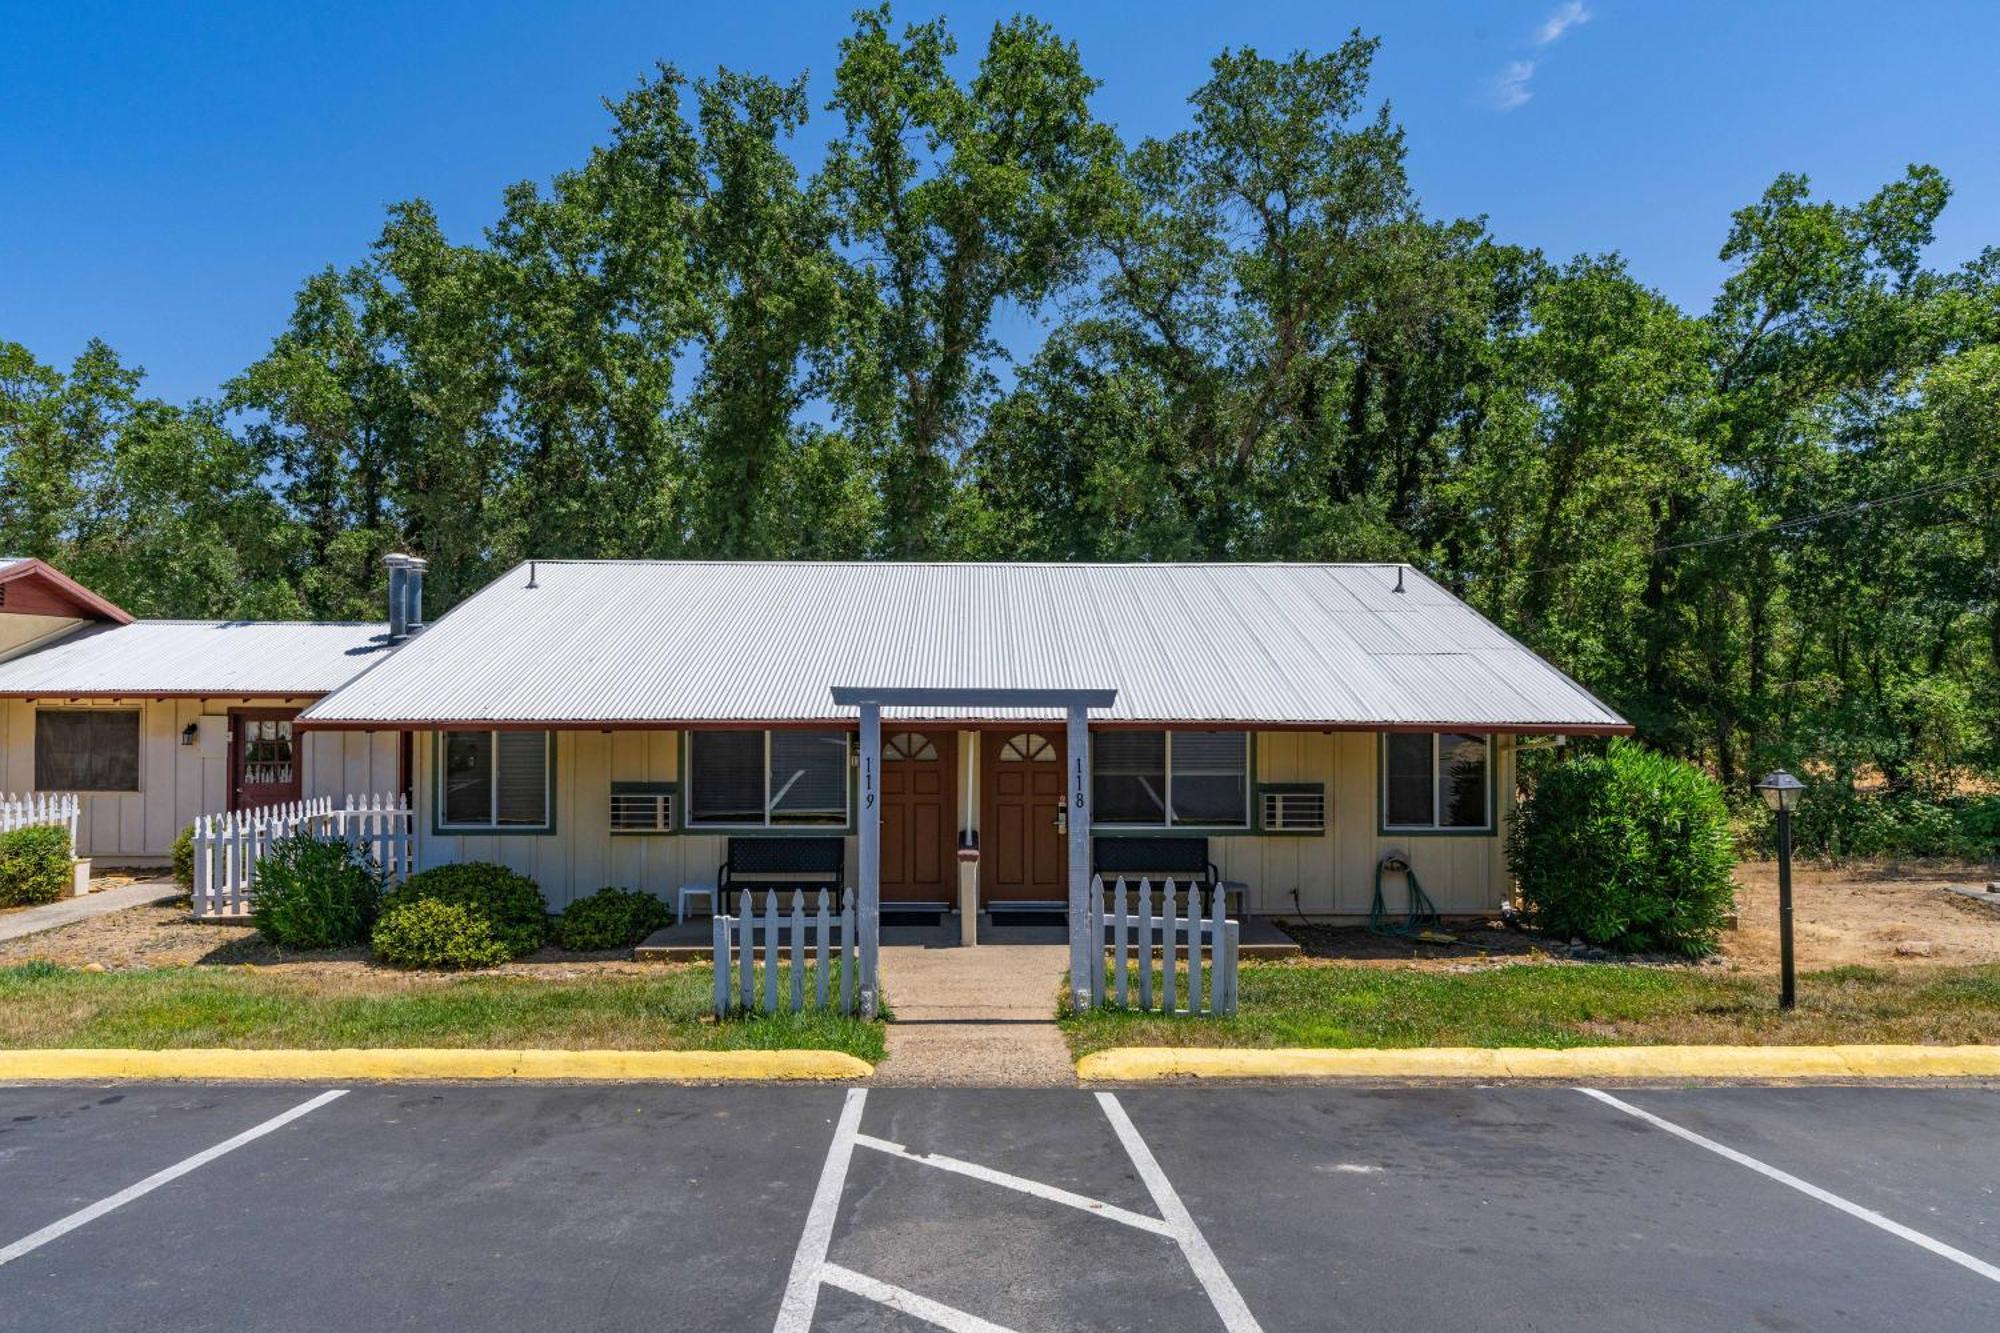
1856, 914
165, 937
1865, 914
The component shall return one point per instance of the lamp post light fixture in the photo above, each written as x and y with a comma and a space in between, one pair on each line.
1781, 791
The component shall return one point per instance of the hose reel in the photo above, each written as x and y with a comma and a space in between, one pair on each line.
1420, 917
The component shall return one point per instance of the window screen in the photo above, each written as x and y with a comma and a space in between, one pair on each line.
1128, 777
1211, 777
726, 777
808, 777
87, 750
1462, 781
468, 777
1407, 780
1437, 782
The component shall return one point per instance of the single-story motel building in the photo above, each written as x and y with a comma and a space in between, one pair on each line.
597, 723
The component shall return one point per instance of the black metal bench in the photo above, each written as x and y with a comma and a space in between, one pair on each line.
784, 864
1182, 860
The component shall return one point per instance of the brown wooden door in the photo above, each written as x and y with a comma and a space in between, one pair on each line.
263, 757
919, 816
1023, 853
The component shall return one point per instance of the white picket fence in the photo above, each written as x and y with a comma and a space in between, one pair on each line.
34, 808
1134, 932
227, 847
810, 940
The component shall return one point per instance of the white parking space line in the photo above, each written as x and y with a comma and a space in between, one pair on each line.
795, 1314
811, 1268
1109, 1211
1222, 1293
96, 1210
908, 1302
1806, 1187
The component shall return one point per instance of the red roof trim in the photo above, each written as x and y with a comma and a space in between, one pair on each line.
70, 590
948, 723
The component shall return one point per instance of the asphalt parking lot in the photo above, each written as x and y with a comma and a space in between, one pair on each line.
527, 1207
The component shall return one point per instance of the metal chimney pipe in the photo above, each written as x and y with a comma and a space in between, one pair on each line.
413, 595
399, 582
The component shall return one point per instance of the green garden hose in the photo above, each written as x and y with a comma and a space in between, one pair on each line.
1422, 914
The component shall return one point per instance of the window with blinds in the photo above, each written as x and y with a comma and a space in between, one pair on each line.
494, 780
757, 779
1166, 779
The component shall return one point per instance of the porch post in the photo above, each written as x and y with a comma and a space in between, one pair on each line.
1084, 952
870, 816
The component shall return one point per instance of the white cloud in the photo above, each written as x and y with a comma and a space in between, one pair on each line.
1571, 15
1510, 85
1509, 88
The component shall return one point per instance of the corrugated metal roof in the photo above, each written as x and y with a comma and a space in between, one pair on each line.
198, 657
638, 641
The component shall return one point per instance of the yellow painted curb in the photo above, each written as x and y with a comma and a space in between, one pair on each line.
1141, 1063
360, 1065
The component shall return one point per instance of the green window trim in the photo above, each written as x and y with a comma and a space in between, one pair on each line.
443, 830
1169, 829
684, 824
1384, 829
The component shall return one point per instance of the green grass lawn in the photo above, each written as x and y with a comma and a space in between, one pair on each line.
1530, 1004
46, 1006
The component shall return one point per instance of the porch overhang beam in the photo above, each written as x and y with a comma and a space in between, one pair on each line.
850, 696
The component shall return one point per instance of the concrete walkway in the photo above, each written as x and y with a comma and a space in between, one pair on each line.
978, 1017
67, 911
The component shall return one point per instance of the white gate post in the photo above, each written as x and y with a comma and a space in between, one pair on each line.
1084, 953
871, 854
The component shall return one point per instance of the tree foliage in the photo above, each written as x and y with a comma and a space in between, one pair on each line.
1248, 341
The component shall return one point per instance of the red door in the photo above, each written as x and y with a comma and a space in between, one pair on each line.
919, 862
1023, 851
263, 758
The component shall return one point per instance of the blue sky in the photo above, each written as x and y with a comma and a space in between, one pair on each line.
169, 173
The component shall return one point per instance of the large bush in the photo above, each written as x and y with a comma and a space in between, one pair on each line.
315, 893
34, 865
610, 919
431, 932
1834, 822
1629, 851
511, 903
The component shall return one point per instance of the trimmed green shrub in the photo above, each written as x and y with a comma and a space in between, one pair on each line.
183, 853
431, 932
1629, 851
315, 893
512, 903
610, 919
34, 865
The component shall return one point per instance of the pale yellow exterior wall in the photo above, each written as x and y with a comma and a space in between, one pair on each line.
178, 782
1333, 874
19, 632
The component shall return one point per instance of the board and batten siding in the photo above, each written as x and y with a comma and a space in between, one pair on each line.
1333, 873
178, 782
582, 855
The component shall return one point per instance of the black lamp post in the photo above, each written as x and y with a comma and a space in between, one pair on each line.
1781, 791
